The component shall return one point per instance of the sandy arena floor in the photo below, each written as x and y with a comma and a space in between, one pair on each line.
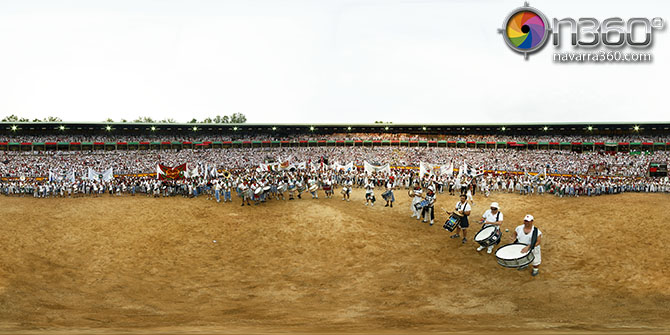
144, 265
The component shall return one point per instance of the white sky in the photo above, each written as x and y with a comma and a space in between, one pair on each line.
313, 62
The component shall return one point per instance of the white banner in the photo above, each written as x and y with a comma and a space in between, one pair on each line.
347, 167
68, 176
435, 169
106, 175
369, 168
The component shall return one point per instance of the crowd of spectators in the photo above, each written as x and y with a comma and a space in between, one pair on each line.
36, 164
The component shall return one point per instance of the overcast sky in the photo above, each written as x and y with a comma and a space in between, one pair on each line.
313, 62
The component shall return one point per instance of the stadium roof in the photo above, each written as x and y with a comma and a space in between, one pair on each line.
564, 127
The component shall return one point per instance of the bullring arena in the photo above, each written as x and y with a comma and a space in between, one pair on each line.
326, 265
141, 264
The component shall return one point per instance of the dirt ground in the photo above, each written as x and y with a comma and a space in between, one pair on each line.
144, 265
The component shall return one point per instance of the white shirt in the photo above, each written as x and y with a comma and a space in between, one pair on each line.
490, 217
430, 199
524, 238
464, 207
369, 188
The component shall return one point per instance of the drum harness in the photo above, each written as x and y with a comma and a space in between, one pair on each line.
497, 219
533, 239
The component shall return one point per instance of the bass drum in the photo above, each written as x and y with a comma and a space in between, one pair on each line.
510, 256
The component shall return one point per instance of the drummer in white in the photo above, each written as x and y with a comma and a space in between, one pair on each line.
524, 234
416, 195
492, 217
463, 210
369, 193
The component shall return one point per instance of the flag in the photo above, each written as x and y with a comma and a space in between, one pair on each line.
167, 172
192, 173
285, 164
424, 169
462, 171
448, 169
540, 176
432, 169
213, 172
106, 175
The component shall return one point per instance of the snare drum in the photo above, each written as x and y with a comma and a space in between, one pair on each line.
313, 188
258, 191
452, 222
386, 195
510, 255
267, 189
282, 188
488, 236
422, 204
345, 190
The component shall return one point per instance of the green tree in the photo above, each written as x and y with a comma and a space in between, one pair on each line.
52, 119
10, 118
207, 120
167, 120
109, 120
238, 118
144, 119
193, 121
14, 118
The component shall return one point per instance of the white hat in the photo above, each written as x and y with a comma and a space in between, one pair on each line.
494, 205
528, 218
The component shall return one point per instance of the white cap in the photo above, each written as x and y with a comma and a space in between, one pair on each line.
494, 205
528, 218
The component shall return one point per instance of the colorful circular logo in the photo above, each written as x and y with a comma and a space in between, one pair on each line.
525, 30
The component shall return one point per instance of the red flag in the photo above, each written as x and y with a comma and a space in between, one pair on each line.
173, 173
